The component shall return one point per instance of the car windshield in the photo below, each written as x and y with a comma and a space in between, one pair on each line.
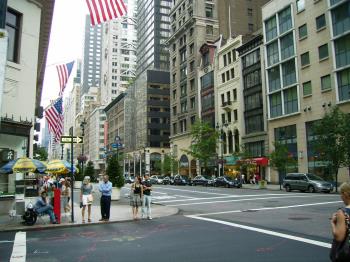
314, 177
228, 178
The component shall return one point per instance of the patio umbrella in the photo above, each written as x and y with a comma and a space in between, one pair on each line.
23, 165
58, 166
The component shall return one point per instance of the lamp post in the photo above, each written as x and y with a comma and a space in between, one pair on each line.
82, 126
221, 129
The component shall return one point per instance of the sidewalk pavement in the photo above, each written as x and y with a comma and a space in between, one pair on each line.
120, 212
268, 187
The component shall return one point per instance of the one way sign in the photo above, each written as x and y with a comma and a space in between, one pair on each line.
68, 140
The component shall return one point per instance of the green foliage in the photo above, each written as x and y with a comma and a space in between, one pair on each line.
40, 153
115, 172
245, 166
332, 139
90, 171
169, 164
158, 166
280, 158
79, 176
204, 141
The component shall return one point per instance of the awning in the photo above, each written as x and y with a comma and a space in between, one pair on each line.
260, 161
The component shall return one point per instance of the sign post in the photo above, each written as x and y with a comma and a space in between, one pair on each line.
72, 171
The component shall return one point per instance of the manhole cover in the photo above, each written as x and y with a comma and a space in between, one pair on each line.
299, 218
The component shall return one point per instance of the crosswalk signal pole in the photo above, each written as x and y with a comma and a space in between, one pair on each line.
72, 172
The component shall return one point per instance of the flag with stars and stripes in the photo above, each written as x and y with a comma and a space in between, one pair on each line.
64, 71
105, 10
54, 118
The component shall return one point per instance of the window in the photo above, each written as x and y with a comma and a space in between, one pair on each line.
323, 52
285, 20
184, 107
288, 73
223, 77
341, 18
234, 94
225, 60
326, 82
174, 94
251, 27
229, 57
271, 28
174, 110
235, 115
342, 51
305, 59
274, 79
192, 84
183, 90
223, 118
192, 66
302, 31
300, 5
229, 117
183, 126
209, 11
290, 100
13, 21
232, 73
320, 22
209, 30
193, 120
227, 75
191, 48
287, 46
250, 12
174, 129
275, 105
207, 80
307, 88
344, 84
193, 102
288, 135
272, 53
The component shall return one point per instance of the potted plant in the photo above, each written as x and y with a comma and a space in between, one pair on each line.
114, 171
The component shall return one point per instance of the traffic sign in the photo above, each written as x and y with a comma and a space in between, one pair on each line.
117, 145
68, 140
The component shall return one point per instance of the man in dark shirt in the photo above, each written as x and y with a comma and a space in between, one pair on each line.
147, 198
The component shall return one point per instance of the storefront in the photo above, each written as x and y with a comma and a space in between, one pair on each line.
254, 167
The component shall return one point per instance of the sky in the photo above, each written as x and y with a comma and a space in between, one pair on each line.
66, 44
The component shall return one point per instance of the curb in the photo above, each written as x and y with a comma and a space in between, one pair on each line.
68, 225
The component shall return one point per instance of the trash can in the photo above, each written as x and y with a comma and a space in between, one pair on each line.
262, 184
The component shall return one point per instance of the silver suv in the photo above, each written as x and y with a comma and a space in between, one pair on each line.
306, 182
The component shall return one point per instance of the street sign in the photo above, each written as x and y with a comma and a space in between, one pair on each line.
68, 140
117, 145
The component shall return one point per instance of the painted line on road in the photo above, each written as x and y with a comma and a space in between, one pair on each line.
191, 191
187, 197
19, 251
6, 241
264, 231
267, 208
237, 200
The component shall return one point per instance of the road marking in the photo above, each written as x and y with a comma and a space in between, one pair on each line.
236, 200
267, 208
192, 191
6, 241
19, 251
162, 197
187, 197
264, 231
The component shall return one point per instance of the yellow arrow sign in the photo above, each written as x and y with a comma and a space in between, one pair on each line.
68, 139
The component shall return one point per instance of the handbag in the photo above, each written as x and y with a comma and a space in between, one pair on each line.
90, 198
340, 251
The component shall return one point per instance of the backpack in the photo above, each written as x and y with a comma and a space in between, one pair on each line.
340, 251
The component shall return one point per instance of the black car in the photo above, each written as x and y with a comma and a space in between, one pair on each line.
226, 181
180, 180
200, 180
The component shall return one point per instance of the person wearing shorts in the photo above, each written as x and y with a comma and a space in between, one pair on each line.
86, 198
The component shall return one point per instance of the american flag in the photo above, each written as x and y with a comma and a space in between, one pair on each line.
54, 117
64, 71
104, 10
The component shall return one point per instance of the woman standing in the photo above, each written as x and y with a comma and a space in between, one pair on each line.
65, 194
136, 195
86, 198
340, 227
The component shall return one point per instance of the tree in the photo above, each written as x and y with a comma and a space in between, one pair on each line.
333, 140
170, 165
280, 159
114, 171
40, 153
158, 166
90, 171
79, 176
204, 142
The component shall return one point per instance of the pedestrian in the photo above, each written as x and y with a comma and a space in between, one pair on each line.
42, 206
147, 198
86, 198
136, 194
106, 191
340, 250
65, 194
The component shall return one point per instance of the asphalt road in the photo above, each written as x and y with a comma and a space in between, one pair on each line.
214, 224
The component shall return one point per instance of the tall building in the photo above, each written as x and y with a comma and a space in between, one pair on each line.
119, 54
92, 52
239, 17
193, 23
307, 72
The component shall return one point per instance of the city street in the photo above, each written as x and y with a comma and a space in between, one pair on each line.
213, 224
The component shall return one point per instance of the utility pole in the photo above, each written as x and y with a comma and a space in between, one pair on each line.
72, 172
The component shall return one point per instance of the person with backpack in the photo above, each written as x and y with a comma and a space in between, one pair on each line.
340, 251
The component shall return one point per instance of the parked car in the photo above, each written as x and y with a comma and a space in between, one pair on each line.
166, 180
156, 180
181, 180
227, 181
306, 182
200, 180
129, 179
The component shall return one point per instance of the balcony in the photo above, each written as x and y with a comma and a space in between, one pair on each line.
227, 105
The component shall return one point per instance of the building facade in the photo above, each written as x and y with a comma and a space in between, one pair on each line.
306, 72
119, 54
92, 56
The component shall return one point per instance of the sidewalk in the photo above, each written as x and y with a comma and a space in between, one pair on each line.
120, 212
268, 187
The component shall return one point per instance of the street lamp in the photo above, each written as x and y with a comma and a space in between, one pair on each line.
82, 126
221, 129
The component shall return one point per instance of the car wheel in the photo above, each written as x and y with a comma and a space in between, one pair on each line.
311, 189
228, 186
288, 188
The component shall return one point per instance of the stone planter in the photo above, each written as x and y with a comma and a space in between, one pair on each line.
77, 184
115, 194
